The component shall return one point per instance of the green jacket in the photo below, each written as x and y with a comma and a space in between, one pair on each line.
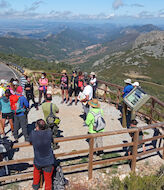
90, 120
46, 109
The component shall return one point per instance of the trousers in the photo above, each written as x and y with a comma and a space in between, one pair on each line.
47, 172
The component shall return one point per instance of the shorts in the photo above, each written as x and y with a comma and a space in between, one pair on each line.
75, 91
64, 87
7, 115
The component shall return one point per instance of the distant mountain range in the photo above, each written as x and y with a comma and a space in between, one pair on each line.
72, 43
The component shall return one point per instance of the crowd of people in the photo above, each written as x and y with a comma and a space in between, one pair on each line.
15, 99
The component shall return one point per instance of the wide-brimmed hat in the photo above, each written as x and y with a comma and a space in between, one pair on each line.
94, 103
64, 71
2, 81
128, 81
92, 73
136, 84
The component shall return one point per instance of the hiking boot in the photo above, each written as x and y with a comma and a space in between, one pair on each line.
75, 103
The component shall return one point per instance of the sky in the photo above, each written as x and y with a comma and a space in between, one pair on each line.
106, 10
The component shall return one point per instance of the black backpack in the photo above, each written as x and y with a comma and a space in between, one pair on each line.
59, 181
51, 118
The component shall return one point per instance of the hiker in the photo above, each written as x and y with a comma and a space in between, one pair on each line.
64, 85
2, 88
88, 93
133, 125
93, 82
6, 112
41, 139
19, 105
23, 81
136, 84
92, 120
73, 88
47, 108
80, 82
29, 91
43, 83
127, 88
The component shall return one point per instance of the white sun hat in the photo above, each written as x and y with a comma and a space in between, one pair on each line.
128, 81
136, 84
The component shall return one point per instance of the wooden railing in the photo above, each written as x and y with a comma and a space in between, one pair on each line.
91, 162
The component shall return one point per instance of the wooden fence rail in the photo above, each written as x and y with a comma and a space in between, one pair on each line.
91, 163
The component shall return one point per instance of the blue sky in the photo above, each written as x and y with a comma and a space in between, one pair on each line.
82, 9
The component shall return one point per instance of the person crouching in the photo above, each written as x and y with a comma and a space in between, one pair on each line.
41, 139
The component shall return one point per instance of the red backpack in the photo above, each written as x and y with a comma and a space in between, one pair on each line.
80, 82
15, 103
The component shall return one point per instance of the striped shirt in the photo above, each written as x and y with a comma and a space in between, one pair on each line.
23, 81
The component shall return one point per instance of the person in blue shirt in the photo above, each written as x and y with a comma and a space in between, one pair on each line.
5, 111
41, 138
127, 88
20, 119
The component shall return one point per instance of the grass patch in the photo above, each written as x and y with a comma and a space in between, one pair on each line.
110, 155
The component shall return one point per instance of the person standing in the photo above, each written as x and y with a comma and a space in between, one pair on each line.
23, 81
29, 91
127, 88
64, 85
5, 110
73, 88
90, 121
93, 82
2, 88
19, 105
41, 140
88, 92
43, 83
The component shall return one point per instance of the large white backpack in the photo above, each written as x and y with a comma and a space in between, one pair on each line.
99, 122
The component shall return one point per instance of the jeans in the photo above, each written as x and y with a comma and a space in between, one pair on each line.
40, 95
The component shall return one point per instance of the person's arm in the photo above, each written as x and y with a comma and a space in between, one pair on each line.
40, 82
86, 98
25, 102
47, 82
89, 119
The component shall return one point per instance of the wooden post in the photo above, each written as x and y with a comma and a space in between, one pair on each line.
118, 98
151, 111
90, 166
105, 90
124, 111
134, 151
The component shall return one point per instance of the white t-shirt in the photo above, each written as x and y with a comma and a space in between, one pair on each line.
93, 81
88, 90
2, 92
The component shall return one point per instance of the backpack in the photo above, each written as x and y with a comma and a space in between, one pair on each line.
80, 82
59, 181
99, 122
15, 104
52, 119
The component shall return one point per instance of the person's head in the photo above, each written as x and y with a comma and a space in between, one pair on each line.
80, 73
7, 93
19, 90
48, 97
11, 80
2, 82
136, 84
74, 73
28, 79
94, 103
64, 72
43, 75
133, 123
92, 75
86, 82
40, 124
128, 81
